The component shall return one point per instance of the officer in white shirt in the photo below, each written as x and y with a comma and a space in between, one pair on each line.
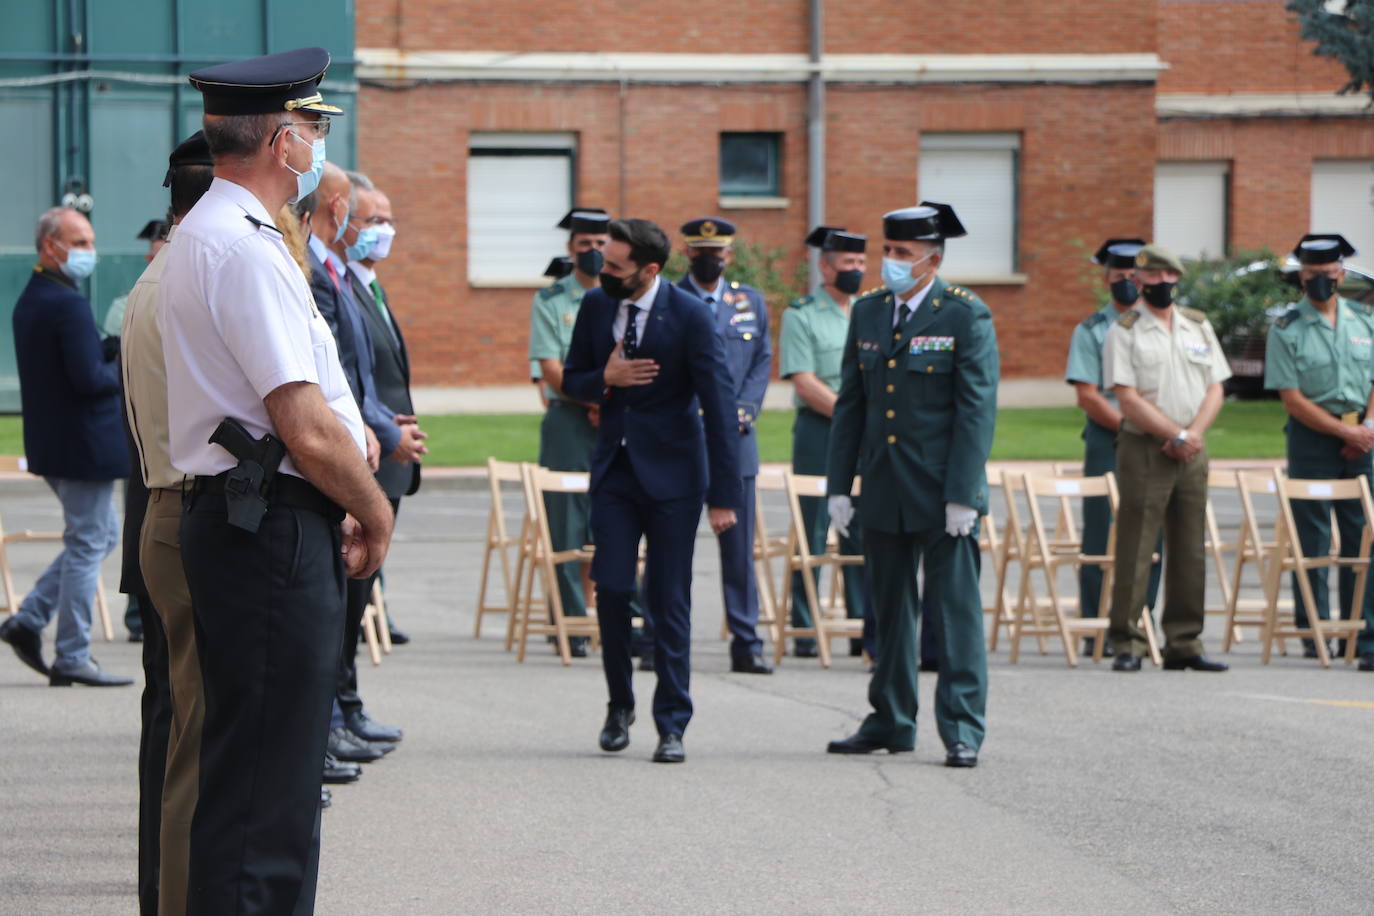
242, 340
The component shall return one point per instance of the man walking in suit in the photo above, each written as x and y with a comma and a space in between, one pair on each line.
918, 398
649, 354
741, 320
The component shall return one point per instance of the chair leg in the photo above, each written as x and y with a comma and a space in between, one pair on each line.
383, 622
370, 634
103, 607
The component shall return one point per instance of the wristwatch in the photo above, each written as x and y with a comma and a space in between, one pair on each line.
1181, 439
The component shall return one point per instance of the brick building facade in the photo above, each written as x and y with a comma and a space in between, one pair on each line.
1068, 110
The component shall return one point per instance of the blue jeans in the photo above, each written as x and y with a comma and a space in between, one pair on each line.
67, 586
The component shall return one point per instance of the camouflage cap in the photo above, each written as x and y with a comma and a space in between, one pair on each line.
1156, 257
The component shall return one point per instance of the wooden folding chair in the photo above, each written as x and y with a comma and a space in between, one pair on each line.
994, 545
541, 568
376, 627
499, 544
1014, 550
773, 609
1291, 559
828, 621
1053, 614
1218, 548
1255, 551
15, 463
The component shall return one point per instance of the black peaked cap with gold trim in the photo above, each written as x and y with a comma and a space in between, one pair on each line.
288, 81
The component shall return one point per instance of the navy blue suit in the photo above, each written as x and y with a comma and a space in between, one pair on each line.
73, 421
741, 320
657, 456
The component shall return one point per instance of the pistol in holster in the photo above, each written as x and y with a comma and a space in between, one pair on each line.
246, 485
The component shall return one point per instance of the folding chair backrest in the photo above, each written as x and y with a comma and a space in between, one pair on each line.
499, 472
1292, 490
799, 485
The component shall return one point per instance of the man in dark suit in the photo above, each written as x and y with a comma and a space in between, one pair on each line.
74, 439
649, 354
741, 319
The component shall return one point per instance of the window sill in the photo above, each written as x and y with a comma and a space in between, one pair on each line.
745, 202
509, 282
986, 279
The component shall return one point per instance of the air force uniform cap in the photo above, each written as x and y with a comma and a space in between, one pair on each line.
1322, 249
194, 150
288, 81
927, 222
591, 220
708, 232
1118, 252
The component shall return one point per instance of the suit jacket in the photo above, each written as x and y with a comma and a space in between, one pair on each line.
69, 392
677, 448
391, 373
741, 320
920, 404
355, 349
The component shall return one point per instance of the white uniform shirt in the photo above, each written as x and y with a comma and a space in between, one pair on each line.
238, 321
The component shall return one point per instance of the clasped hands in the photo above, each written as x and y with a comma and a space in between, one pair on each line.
1358, 440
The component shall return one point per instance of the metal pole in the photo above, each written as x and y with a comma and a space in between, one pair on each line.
815, 133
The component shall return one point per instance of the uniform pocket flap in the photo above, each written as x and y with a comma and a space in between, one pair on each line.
930, 362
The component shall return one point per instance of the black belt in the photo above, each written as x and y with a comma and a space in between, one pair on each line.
559, 402
285, 490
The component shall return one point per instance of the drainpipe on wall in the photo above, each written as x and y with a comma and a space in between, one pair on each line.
815, 134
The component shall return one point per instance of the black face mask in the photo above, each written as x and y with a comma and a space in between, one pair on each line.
849, 281
707, 268
618, 288
1125, 292
1158, 294
1319, 288
590, 262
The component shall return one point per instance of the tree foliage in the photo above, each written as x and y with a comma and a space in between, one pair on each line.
1240, 295
1347, 35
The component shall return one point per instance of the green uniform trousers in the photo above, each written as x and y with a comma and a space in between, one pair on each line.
566, 439
810, 442
951, 590
1316, 456
1099, 457
1158, 491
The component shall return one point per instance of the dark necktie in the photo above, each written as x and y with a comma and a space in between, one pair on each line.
631, 339
711, 301
905, 314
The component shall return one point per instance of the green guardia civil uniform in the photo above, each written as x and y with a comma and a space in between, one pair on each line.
1099, 456
566, 435
1332, 367
812, 339
919, 402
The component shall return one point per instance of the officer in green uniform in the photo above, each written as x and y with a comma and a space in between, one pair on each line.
918, 399
813, 332
1116, 257
1318, 358
568, 433
1166, 367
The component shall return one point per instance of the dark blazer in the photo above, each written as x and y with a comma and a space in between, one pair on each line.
73, 423
674, 453
742, 323
391, 373
355, 349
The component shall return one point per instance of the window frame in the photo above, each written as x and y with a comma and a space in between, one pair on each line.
775, 159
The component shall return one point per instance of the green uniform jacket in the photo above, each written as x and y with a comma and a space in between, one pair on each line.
920, 403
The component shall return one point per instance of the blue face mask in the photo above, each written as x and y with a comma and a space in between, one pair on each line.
80, 262
343, 226
363, 245
309, 180
899, 276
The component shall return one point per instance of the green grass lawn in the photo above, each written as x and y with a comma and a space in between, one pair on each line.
1245, 429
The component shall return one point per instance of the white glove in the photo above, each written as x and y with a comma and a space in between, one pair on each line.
959, 520
841, 513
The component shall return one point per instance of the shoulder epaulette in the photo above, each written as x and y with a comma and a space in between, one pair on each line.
871, 292
801, 301
1095, 319
548, 292
1129, 319
1193, 314
960, 292
1287, 318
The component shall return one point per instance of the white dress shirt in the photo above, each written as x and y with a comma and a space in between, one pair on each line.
645, 302
238, 321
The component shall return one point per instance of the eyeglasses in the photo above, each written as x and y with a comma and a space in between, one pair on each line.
319, 128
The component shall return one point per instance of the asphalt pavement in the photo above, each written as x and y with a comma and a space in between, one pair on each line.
1157, 792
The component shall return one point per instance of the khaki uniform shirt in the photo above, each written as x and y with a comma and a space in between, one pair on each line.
145, 377
1171, 368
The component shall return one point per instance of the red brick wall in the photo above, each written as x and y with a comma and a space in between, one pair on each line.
1074, 191
1238, 46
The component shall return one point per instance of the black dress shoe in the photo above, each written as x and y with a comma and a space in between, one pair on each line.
858, 744
1126, 662
90, 674
749, 664
337, 772
398, 637
615, 734
669, 750
347, 746
961, 755
26, 644
1367, 661
1088, 645
1196, 662
362, 725
856, 648
135, 637
646, 662
326, 797
805, 650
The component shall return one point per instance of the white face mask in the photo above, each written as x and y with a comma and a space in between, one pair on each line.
385, 233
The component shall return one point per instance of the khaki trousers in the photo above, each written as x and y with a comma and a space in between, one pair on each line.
159, 554
1157, 491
